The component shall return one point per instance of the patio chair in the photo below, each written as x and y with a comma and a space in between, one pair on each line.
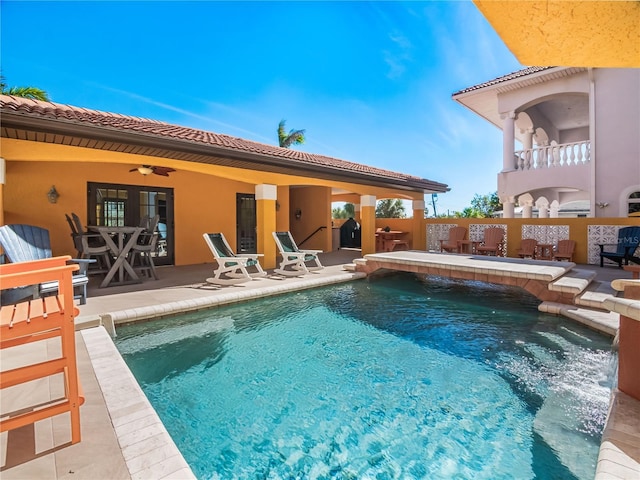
25, 243
294, 261
527, 248
493, 241
628, 243
144, 249
456, 234
32, 321
564, 251
89, 245
232, 268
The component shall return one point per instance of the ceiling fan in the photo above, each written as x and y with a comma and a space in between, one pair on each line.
149, 169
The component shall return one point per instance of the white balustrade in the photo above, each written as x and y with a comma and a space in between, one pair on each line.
563, 155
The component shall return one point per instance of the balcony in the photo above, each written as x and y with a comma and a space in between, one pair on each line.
551, 156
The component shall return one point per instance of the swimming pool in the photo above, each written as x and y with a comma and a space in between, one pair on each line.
392, 378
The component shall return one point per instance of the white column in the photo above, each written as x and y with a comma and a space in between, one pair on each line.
554, 208
543, 207
508, 207
526, 202
527, 142
508, 141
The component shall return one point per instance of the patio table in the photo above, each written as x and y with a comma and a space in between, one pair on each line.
120, 241
468, 246
544, 251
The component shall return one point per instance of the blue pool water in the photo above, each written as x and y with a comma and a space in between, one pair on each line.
392, 378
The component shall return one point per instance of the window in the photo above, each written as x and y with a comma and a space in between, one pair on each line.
634, 204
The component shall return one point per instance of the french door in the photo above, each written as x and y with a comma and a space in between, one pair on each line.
246, 223
117, 205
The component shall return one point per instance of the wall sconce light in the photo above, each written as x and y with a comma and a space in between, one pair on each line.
602, 204
53, 194
298, 214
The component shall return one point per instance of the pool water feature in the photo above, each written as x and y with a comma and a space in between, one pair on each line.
392, 378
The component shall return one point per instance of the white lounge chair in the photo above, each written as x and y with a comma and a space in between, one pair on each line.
294, 260
232, 268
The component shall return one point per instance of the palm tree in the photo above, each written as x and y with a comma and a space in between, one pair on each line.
32, 93
294, 137
390, 208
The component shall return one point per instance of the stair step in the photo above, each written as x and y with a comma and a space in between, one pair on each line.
604, 322
575, 281
595, 295
349, 267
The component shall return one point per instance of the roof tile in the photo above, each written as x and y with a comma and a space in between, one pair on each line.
162, 129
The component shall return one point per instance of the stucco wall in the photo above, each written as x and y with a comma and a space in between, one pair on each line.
617, 140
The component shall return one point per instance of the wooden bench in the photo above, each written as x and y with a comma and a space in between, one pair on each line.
36, 320
399, 245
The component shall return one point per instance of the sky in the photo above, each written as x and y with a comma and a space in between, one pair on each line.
369, 82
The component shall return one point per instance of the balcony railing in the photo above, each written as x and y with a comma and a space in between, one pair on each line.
563, 155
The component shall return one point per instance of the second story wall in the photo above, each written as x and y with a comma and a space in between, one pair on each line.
617, 136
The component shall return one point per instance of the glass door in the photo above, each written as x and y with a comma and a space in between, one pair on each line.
246, 223
130, 205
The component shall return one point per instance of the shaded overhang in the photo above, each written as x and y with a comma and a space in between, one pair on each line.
35, 127
483, 99
603, 34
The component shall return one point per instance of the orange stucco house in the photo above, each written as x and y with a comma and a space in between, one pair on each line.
214, 182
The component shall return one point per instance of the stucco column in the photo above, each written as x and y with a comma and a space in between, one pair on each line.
527, 141
508, 207
543, 207
266, 196
553, 209
356, 212
368, 223
419, 226
628, 352
526, 202
2, 180
508, 141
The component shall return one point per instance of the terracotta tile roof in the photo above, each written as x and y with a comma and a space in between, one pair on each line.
505, 78
121, 123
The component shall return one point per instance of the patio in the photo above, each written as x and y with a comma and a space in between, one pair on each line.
122, 437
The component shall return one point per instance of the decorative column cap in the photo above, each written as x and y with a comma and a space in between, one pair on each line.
266, 192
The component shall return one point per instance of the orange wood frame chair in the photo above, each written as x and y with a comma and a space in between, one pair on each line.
36, 320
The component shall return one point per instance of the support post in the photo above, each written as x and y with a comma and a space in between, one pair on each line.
266, 196
368, 223
419, 241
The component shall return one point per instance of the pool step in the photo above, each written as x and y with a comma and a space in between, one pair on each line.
575, 281
604, 322
595, 295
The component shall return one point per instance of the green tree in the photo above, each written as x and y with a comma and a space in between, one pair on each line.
294, 137
485, 205
346, 211
32, 93
390, 208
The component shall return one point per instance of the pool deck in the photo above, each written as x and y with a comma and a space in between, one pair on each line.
122, 436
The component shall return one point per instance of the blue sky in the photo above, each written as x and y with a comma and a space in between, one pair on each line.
370, 82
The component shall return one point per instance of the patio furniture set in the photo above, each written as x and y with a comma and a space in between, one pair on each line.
623, 251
